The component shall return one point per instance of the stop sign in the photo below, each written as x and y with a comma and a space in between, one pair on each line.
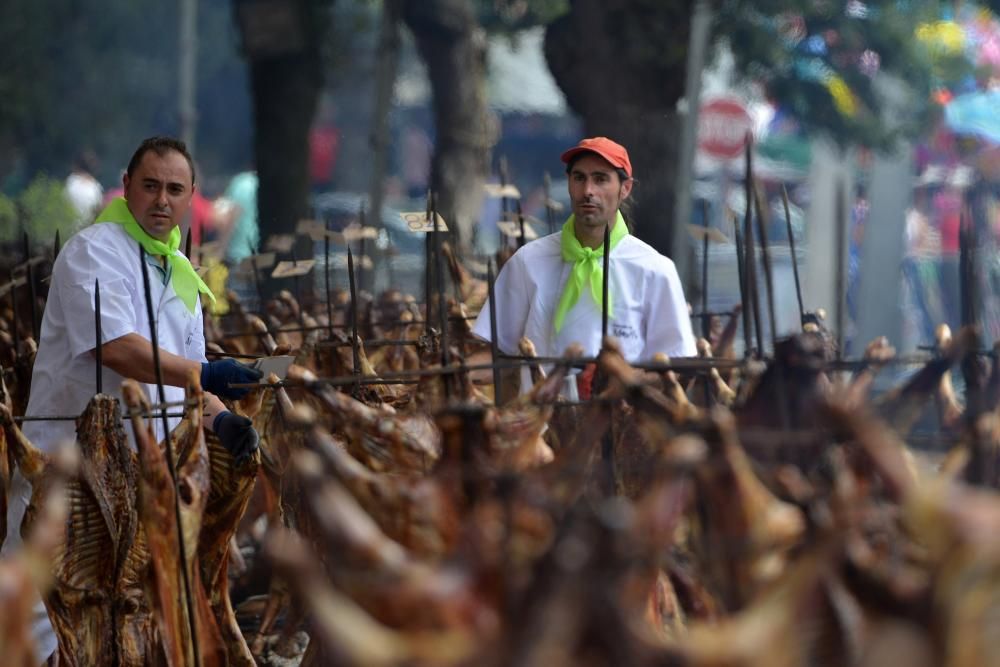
723, 124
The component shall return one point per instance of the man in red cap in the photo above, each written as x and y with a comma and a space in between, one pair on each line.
551, 290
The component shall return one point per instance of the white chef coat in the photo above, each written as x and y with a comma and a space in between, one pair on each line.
64, 379
649, 313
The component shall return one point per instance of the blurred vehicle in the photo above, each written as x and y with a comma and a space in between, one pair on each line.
403, 250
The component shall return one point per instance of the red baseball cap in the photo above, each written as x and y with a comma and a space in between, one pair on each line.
607, 149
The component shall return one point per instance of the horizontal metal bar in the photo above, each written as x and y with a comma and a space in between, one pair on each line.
712, 313
17, 282
342, 381
374, 342
235, 355
37, 259
68, 418
154, 411
325, 327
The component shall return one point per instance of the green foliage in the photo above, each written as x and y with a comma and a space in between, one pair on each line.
102, 75
828, 64
44, 209
8, 218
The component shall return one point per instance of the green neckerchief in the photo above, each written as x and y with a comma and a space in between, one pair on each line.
183, 277
587, 268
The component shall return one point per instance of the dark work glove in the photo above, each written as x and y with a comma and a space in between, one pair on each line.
236, 434
216, 376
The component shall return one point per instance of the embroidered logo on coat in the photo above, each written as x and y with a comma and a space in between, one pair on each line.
624, 331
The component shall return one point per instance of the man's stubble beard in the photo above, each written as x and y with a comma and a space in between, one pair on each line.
586, 220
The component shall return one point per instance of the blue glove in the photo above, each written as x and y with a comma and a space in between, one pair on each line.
216, 376
236, 434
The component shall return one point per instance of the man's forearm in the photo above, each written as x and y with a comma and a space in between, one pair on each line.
131, 356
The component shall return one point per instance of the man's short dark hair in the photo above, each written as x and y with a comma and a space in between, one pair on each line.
622, 174
161, 146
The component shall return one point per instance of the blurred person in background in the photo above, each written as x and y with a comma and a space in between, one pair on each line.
243, 239
324, 146
417, 149
83, 189
923, 309
948, 203
203, 220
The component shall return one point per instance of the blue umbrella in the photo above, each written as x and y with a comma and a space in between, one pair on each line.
975, 113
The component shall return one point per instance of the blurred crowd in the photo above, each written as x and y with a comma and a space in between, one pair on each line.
946, 200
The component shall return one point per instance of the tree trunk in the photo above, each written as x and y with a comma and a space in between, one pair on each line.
453, 46
284, 101
599, 54
282, 45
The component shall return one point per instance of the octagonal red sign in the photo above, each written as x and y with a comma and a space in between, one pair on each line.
723, 125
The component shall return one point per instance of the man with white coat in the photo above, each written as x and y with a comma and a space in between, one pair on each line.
159, 183
550, 291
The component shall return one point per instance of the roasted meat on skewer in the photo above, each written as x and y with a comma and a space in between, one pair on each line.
347, 632
415, 511
472, 290
734, 508
378, 572
877, 354
903, 405
184, 619
29, 571
229, 494
97, 585
380, 438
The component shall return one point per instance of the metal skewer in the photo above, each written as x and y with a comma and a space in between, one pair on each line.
442, 307
765, 254
30, 277
605, 279
839, 288
296, 290
428, 267
361, 242
968, 242
741, 271
750, 263
795, 259
161, 395
99, 338
326, 280
256, 277
13, 309
783, 415
706, 318
520, 224
355, 351
494, 348
550, 215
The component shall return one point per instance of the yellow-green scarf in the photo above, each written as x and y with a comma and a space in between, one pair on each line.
183, 277
587, 268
